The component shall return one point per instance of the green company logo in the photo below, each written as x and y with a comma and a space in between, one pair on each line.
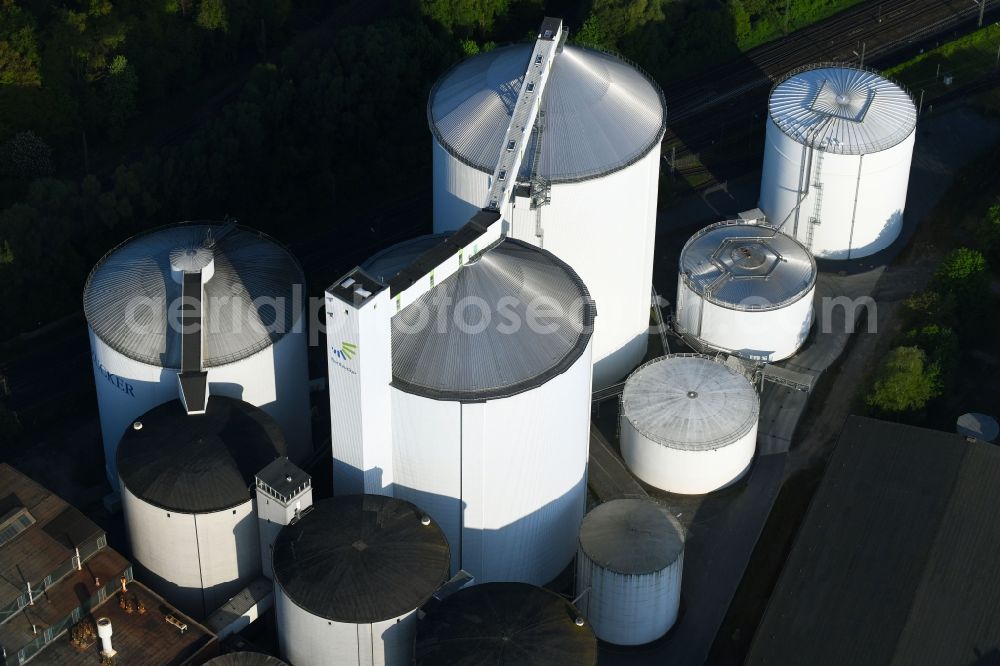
346, 351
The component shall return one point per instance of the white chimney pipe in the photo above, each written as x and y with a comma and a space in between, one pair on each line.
104, 632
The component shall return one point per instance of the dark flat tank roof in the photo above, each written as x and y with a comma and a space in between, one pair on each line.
198, 463
360, 559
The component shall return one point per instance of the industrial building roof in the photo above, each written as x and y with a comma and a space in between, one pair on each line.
842, 109
896, 561
632, 536
504, 624
245, 659
131, 298
504, 323
361, 558
601, 114
198, 463
747, 266
690, 402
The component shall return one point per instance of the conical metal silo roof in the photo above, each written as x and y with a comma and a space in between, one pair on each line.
601, 114
842, 109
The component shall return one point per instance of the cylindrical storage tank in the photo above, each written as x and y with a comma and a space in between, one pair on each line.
186, 493
628, 570
595, 176
688, 424
349, 577
253, 327
747, 290
491, 410
245, 659
837, 159
505, 624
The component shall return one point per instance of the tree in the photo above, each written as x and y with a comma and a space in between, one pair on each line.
212, 15
120, 88
741, 21
991, 233
905, 382
25, 155
962, 272
593, 34
464, 16
18, 47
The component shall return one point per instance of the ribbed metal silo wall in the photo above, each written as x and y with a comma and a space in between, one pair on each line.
682, 471
309, 640
197, 562
126, 389
629, 609
459, 190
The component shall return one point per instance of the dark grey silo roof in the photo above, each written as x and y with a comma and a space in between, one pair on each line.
198, 463
361, 558
504, 624
127, 297
601, 113
387, 264
632, 536
245, 659
453, 362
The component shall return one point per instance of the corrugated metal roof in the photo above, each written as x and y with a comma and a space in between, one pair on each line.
896, 560
690, 402
441, 349
632, 536
198, 463
842, 109
600, 113
129, 293
747, 267
361, 559
504, 624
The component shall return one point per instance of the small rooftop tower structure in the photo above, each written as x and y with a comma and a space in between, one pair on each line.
349, 578
586, 188
284, 492
747, 290
688, 424
505, 624
194, 310
628, 570
837, 159
186, 494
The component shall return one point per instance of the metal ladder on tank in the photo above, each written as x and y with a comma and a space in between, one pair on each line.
814, 221
541, 188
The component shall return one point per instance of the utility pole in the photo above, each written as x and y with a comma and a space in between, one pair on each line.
920, 107
937, 74
861, 56
982, 10
673, 158
880, 12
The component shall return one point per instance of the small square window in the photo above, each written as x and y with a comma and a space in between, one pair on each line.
510, 145
538, 60
503, 174
531, 87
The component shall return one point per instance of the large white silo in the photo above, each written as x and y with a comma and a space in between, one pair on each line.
252, 319
186, 484
629, 570
745, 289
349, 577
505, 624
688, 424
588, 183
837, 159
490, 402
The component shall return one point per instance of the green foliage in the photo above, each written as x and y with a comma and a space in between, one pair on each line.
593, 34
469, 47
464, 17
212, 15
120, 89
989, 233
940, 344
905, 383
25, 155
742, 27
19, 63
963, 272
